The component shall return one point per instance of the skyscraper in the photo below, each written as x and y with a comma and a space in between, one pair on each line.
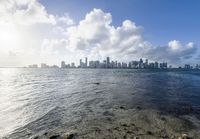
86, 62
147, 61
63, 64
81, 63
141, 63
108, 62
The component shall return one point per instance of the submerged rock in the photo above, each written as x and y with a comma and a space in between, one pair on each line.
55, 137
149, 133
36, 137
69, 136
184, 136
138, 108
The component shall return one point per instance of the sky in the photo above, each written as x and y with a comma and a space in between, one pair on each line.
49, 31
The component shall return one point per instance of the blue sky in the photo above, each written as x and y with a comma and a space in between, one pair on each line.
163, 20
125, 30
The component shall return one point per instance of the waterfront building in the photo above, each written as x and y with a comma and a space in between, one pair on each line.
73, 65
119, 65
63, 64
54, 66
33, 66
43, 65
124, 65
108, 62
81, 63
86, 63
156, 65
187, 66
163, 65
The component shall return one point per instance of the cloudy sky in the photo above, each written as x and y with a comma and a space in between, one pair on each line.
48, 31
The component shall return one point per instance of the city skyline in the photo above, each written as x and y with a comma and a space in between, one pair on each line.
33, 31
109, 63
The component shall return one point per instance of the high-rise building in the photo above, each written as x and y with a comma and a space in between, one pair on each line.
156, 65
33, 66
141, 63
73, 65
163, 65
197, 66
81, 63
147, 61
63, 64
86, 62
108, 62
187, 66
43, 65
119, 65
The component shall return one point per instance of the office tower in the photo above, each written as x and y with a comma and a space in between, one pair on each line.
124, 65
141, 63
146, 62
91, 64
115, 64
86, 62
108, 62
97, 64
187, 66
54, 66
163, 65
43, 65
63, 64
73, 65
197, 66
104, 64
112, 64
119, 65
33, 66
156, 65
81, 63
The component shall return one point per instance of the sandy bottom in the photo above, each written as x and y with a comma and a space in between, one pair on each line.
121, 123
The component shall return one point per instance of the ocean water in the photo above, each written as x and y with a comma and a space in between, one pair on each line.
42, 100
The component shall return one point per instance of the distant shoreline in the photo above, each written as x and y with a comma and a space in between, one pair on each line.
158, 69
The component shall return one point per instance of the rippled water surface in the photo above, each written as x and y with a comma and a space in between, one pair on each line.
34, 100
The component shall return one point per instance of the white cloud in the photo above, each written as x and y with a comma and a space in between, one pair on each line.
173, 53
96, 37
24, 26
53, 46
174, 45
25, 12
95, 34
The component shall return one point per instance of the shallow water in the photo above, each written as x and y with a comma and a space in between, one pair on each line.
40, 100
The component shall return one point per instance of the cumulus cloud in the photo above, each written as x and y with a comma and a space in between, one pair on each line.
53, 46
174, 52
24, 12
28, 12
24, 27
97, 37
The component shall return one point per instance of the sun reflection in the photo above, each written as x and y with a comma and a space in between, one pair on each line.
6, 72
8, 100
